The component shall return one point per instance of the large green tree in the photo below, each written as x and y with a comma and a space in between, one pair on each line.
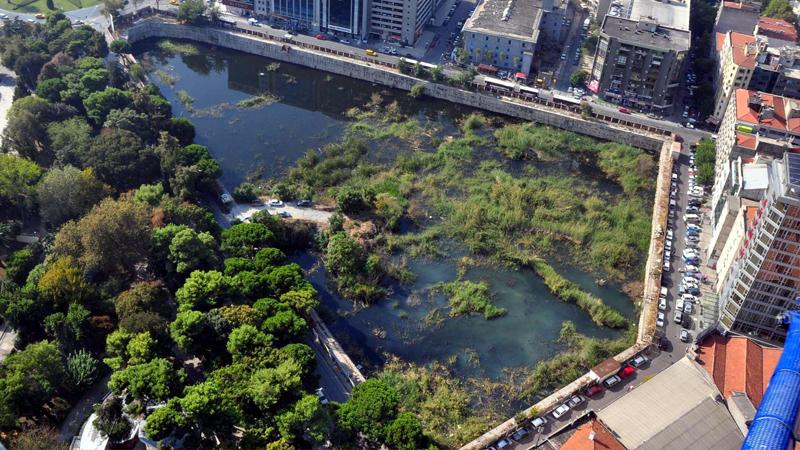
119, 159
28, 380
18, 177
68, 193
370, 409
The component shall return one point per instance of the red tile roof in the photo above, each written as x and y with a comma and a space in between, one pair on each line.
777, 104
720, 41
738, 364
776, 28
746, 140
744, 51
603, 439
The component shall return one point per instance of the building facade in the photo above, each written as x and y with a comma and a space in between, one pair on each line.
638, 63
764, 281
737, 61
400, 20
348, 17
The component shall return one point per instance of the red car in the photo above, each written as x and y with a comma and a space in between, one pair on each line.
626, 371
321, 37
594, 390
624, 110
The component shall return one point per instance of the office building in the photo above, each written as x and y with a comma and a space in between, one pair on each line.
764, 280
638, 63
400, 20
347, 17
504, 33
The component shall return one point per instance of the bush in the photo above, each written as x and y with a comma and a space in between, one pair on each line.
417, 91
245, 193
120, 46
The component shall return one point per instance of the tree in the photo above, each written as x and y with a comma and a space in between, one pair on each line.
153, 381
287, 325
405, 432
181, 129
246, 340
63, 282
22, 262
293, 422
245, 239
70, 140
119, 159
344, 257
68, 193
372, 406
780, 9
245, 193
119, 46
28, 380
354, 199
99, 104
188, 329
202, 291
301, 354
110, 421
131, 120
268, 386
190, 251
50, 89
578, 77
192, 12
163, 421
109, 238
142, 297
18, 177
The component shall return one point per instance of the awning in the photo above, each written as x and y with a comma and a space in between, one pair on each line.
521, 76
487, 68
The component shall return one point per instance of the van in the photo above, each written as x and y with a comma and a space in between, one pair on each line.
371, 52
691, 218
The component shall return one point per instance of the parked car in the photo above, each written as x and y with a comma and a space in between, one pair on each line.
503, 443
520, 434
593, 390
688, 308
626, 372
678, 317
321, 37
662, 304
685, 335
275, 203
303, 203
539, 422
660, 319
322, 398
639, 361
612, 381
284, 214
576, 400
624, 110
560, 411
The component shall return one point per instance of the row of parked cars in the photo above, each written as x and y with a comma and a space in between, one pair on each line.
578, 398
689, 288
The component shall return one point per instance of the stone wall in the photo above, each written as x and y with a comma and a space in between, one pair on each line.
362, 70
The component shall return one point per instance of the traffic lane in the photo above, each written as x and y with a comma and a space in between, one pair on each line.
689, 135
435, 54
572, 42
333, 386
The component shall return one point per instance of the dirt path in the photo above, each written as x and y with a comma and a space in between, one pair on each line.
8, 81
243, 212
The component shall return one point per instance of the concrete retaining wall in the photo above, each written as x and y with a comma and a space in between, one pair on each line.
363, 70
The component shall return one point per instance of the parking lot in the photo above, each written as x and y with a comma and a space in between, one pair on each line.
632, 374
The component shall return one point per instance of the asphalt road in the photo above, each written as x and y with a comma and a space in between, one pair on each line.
435, 54
571, 42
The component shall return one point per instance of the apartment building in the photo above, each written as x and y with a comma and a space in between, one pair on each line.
754, 123
400, 20
777, 32
638, 62
505, 33
777, 71
737, 61
738, 17
764, 280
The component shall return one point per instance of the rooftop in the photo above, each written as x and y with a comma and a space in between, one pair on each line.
744, 50
626, 30
517, 18
740, 20
755, 176
592, 435
696, 418
668, 13
776, 28
738, 364
767, 110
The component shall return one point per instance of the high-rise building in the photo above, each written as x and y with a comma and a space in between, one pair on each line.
737, 61
764, 280
754, 123
400, 20
349, 17
642, 47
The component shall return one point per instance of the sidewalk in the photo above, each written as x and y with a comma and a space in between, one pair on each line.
8, 81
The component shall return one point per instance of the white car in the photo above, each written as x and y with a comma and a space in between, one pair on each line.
275, 203
660, 319
539, 422
662, 304
688, 308
685, 335
612, 381
560, 411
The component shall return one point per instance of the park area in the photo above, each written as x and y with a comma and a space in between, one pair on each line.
44, 6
